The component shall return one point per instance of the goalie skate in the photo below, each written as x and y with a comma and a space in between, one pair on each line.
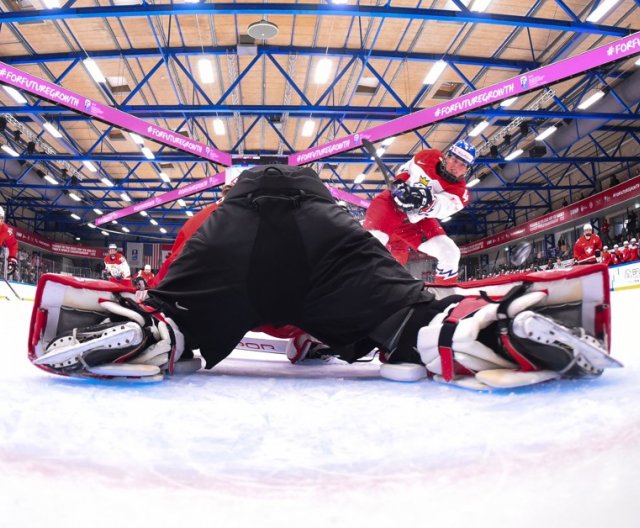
586, 351
105, 343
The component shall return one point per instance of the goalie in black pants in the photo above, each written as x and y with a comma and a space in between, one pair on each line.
279, 251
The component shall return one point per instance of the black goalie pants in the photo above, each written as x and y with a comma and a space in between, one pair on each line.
279, 251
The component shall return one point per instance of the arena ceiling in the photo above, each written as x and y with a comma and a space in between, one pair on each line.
261, 94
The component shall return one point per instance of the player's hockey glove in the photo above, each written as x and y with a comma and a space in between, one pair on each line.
12, 264
411, 198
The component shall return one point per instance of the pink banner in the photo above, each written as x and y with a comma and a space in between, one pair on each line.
79, 103
58, 248
589, 207
200, 186
339, 194
163, 198
532, 80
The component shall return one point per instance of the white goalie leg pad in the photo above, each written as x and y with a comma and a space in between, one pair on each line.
586, 287
65, 305
512, 379
468, 351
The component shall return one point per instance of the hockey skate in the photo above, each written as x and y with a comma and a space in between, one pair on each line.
582, 351
94, 345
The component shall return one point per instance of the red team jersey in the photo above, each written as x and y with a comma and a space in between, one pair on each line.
118, 269
584, 251
413, 228
630, 253
8, 238
148, 277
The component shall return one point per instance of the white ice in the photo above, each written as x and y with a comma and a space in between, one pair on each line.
259, 442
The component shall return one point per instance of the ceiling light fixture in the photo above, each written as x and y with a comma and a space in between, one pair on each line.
435, 72
205, 69
323, 70
601, 10
218, 127
51, 129
308, 128
477, 130
514, 155
546, 133
591, 100
15, 95
90, 166
9, 151
94, 71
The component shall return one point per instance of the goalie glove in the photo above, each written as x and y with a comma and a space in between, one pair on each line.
411, 198
125, 340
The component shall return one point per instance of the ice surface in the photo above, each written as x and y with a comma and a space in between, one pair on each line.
259, 442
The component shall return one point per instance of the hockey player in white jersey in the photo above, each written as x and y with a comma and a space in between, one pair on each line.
280, 251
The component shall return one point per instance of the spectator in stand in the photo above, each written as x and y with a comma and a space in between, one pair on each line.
614, 180
626, 252
633, 250
588, 247
632, 221
604, 231
618, 256
565, 203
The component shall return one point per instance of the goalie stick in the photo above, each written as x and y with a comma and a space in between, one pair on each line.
386, 173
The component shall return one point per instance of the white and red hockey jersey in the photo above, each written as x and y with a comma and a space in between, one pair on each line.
117, 266
584, 250
449, 197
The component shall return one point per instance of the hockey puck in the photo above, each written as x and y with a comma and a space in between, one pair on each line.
520, 253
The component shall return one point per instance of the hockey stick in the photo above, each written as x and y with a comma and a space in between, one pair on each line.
11, 288
371, 150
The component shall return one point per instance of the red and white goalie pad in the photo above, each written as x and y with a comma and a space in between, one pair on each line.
578, 297
68, 305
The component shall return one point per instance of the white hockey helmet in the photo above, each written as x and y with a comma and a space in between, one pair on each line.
587, 227
605, 248
625, 243
616, 246
113, 246
633, 241
147, 267
1, 212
